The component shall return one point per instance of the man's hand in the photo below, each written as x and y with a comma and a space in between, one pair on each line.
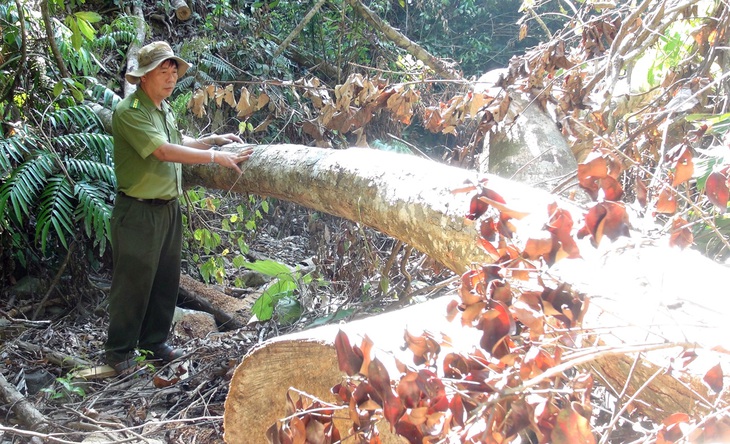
231, 159
224, 139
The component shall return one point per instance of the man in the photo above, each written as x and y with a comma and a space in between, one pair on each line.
146, 223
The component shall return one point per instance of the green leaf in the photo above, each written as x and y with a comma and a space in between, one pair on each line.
57, 89
89, 16
86, 29
239, 261
263, 308
269, 268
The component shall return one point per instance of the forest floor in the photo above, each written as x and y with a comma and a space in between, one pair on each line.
178, 403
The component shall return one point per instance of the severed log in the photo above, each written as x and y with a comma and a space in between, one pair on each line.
182, 10
198, 296
640, 291
61, 359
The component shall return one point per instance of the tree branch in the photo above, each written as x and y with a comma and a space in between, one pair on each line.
52, 40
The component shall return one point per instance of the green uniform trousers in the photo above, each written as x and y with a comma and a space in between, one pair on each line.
146, 240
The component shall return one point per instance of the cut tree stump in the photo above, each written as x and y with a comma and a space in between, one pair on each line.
306, 361
182, 11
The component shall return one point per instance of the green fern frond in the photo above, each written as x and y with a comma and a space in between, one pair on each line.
112, 39
217, 64
94, 211
13, 151
205, 78
87, 170
56, 212
94, 146
25, 184
80, 118
186, 83
105, 96
126, 23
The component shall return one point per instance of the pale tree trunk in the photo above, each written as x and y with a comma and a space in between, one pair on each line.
644, 296
406, 197
134, 47
439, 66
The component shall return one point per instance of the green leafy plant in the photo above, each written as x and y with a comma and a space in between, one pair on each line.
212, 246
67, 389
279, 300
59, 186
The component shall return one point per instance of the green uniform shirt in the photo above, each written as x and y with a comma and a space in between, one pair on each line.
139, 128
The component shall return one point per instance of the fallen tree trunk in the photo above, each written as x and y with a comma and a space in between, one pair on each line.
640, 291
403, 196
198, 296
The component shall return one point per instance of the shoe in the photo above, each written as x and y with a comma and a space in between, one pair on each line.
127, 367
166, 353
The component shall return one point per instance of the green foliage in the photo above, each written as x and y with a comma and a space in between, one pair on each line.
214, 64
68, 388
104, 96
81, 26
59, 186
478, 35
214, 249
278, 298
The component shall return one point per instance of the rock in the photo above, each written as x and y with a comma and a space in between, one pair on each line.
37, 380
190, 324
27, 286
253, 279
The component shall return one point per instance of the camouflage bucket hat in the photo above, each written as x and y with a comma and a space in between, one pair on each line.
150, 57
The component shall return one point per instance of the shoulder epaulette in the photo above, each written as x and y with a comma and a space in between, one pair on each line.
134, 104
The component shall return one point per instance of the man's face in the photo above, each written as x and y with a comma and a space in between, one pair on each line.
159, 83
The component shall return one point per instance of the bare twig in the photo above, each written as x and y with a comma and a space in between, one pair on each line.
55, 280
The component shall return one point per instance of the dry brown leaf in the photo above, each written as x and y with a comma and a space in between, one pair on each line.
197, 103
245, 106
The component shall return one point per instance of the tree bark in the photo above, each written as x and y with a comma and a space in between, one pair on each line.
405, 197
134, 48
182, 11
48, 24
640, 291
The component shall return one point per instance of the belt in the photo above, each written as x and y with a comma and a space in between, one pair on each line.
149, 201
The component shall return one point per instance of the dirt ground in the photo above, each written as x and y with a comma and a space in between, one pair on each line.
182, 402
